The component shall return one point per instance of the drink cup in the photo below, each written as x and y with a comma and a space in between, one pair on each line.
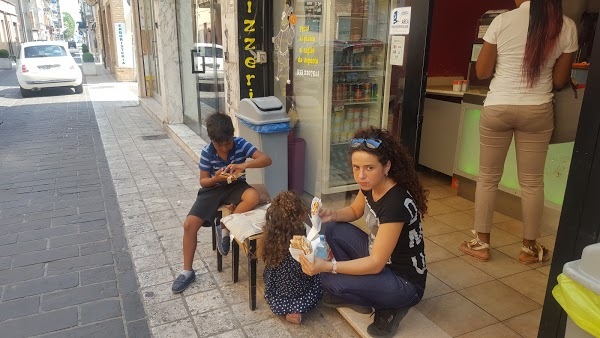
456, 85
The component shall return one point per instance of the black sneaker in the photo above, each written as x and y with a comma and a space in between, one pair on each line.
182, 282
333, 301
222, 242
386, 322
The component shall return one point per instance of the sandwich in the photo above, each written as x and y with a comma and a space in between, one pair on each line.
301, 243
315, 206
232, 177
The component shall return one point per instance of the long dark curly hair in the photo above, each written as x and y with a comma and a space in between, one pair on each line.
402, 169
284, 219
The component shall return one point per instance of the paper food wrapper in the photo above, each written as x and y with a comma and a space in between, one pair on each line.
246, 224
313, 233
315, 220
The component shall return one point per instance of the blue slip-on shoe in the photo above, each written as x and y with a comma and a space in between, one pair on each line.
222, 242
182, 282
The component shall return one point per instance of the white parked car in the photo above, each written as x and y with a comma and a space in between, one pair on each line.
212, 63
47, 64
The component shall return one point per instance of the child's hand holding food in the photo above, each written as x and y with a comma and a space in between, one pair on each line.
221, 175
235, 169
319, 265
230, 176
301, 243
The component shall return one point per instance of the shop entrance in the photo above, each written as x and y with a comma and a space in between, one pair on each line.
448, 151
340, 68
202, 72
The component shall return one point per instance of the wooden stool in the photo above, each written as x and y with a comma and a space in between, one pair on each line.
221, 212
249, 247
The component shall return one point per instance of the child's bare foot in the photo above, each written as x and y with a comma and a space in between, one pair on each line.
295, 318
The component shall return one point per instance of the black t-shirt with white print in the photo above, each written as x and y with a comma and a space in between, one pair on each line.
408, 257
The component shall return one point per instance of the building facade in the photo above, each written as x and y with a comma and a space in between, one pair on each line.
111, 35
9, 27
187, 53
57, 20
87, 27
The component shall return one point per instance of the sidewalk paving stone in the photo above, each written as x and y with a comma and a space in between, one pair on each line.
62, 242
155, 183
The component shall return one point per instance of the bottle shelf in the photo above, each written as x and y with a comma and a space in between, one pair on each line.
346, 143
353, 103
353, 70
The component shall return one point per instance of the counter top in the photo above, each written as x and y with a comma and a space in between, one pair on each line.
444, 90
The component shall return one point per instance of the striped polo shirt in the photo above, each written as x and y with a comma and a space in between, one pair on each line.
211, 162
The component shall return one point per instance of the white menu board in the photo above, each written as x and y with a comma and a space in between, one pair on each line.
397, 52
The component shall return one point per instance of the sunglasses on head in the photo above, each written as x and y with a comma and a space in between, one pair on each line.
370, 143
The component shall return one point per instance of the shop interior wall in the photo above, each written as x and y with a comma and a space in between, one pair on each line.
453, 31
579, 223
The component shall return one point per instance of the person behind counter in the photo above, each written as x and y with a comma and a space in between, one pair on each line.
386, 268
529, 51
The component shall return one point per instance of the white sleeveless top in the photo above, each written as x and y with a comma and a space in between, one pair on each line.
508, 31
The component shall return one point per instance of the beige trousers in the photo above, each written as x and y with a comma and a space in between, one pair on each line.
532, 128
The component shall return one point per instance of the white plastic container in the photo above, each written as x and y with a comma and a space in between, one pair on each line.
586, 272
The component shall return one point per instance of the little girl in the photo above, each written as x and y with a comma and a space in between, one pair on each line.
288, 290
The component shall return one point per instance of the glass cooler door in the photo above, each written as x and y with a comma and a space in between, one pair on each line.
347, 72
358, 54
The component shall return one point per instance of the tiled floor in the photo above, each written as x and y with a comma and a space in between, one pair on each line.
498, 298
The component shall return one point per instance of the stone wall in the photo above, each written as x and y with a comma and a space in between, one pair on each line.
114, 13
168, 51
231, 63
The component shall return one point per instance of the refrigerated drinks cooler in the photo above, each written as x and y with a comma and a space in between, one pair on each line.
340, 82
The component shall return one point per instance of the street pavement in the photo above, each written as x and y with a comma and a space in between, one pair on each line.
65, 267
92, 197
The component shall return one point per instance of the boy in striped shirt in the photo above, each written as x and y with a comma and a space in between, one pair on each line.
221, 161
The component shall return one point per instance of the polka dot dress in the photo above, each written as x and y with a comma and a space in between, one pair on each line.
289, 290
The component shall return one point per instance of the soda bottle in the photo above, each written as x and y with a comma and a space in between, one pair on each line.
321, 250
374, 90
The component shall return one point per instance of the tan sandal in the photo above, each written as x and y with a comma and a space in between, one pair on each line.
476, 248
534, 254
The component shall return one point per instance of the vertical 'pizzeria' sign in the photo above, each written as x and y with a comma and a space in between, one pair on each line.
250, 24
